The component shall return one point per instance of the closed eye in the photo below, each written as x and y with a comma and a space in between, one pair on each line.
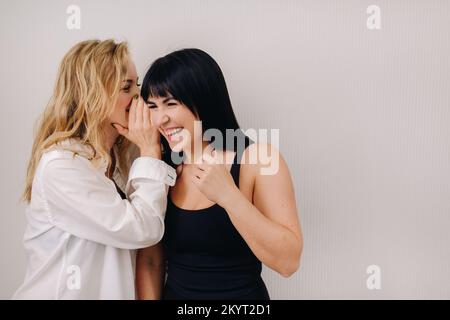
129, 82
151, 105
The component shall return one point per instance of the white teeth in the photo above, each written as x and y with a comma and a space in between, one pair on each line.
174, 131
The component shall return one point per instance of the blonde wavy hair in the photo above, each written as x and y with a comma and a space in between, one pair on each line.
87, 87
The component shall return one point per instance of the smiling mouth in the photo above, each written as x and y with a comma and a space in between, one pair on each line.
173, 132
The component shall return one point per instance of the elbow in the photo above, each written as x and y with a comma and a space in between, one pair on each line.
292, 264
289, 269
146, 235
154, 238
153, 235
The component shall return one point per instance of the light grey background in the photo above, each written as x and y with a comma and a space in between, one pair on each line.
363, 116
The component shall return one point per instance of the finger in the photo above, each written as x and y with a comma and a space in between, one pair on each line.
201, 166
150, 115
132, 112
196, 182
199, 172
219, 157
207, 154
146, 117
139, 113
120, 129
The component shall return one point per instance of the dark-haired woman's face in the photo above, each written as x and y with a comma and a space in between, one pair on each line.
174, 121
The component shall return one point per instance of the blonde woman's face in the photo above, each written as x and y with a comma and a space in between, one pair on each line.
129, 88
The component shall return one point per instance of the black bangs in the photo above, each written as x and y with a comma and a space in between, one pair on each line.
166, 78
156, 82
194, 78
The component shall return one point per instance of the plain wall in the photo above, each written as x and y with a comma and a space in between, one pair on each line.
363, 116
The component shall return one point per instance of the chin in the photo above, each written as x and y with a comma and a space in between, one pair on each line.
176, 148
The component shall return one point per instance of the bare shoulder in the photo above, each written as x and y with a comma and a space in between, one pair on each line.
261, 165
268, 184
262, 159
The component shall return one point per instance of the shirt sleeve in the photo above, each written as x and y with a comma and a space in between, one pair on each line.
84, 202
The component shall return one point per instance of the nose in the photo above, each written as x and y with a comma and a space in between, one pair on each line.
136, 90
159, 118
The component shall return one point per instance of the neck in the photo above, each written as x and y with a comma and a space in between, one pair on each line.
111, 136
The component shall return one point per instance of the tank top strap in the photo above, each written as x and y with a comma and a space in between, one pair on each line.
236, 166
235, 169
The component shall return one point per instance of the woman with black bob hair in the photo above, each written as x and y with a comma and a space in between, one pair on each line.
224, 217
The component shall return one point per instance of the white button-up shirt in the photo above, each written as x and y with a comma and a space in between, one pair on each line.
81, 235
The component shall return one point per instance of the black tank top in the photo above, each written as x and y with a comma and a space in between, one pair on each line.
206, 256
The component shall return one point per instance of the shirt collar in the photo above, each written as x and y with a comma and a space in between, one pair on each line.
75, 145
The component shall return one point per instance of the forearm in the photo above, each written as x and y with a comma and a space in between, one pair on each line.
273, 244
149, 278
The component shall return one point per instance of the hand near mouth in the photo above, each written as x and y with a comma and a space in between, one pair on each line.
115, 125
140, 131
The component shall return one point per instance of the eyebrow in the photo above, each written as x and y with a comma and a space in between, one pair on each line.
164, 101
130, 80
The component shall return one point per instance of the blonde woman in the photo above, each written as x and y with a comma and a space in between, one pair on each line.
81, 229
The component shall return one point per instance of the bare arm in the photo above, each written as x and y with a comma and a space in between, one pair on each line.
150, 273
269, 222
270, 225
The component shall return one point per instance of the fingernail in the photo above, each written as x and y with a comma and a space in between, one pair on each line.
136, 96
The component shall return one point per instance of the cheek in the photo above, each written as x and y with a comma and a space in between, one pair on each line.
122, 103
185, 118
189, 122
